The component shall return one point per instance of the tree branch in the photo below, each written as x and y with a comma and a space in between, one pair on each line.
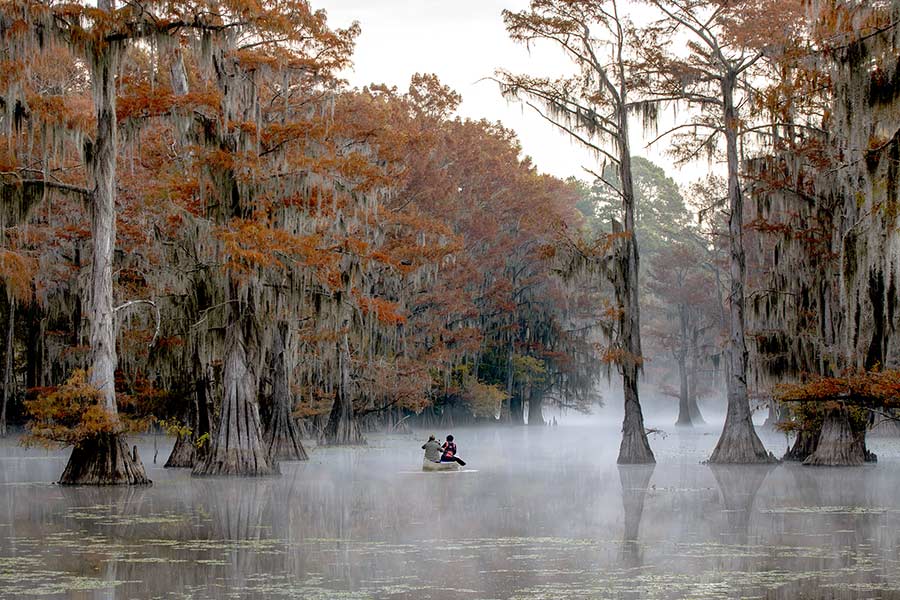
156, 313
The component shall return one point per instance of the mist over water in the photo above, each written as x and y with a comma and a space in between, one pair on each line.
538, 513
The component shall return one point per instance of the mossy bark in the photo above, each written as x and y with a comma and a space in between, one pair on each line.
237, 446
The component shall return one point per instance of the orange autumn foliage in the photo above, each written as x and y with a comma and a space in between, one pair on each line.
68, 414
385, 311
873, 387
17, 272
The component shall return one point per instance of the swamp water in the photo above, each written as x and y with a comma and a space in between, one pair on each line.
538, 514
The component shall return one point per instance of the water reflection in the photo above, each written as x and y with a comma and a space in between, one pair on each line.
635, 480
558, 521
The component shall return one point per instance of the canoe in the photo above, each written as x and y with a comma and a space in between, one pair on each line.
428, 465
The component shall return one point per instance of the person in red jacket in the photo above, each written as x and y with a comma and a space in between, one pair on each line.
449, 452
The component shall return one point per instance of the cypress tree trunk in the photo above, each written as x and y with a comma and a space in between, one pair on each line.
236, 447
694, 409
33, 350
684, 410
513, 409
282, 437
7, 371
739, 443
342, 427
804, 445
184, 454
104, 459
635, 448
838, 445
535, 409
516, 410
772, 418
693, 406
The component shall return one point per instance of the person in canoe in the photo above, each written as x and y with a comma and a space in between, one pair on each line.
432, 450
449, 452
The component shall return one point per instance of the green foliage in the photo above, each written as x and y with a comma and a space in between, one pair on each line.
175, 427
529, 370
482, 398
660, 212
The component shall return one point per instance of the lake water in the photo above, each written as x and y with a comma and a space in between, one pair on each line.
538, 514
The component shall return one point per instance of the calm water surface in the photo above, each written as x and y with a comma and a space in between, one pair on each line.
539, 515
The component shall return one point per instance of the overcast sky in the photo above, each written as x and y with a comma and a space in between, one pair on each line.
463, 42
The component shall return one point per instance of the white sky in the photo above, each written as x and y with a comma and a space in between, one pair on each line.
464, 41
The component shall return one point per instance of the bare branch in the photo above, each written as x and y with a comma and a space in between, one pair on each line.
156, 314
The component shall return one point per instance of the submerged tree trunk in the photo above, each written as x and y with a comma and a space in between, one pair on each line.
105, 459
635, 448
342, 428
282, 437
184, 454
838, 445
7, 371
237, 447
739, 443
